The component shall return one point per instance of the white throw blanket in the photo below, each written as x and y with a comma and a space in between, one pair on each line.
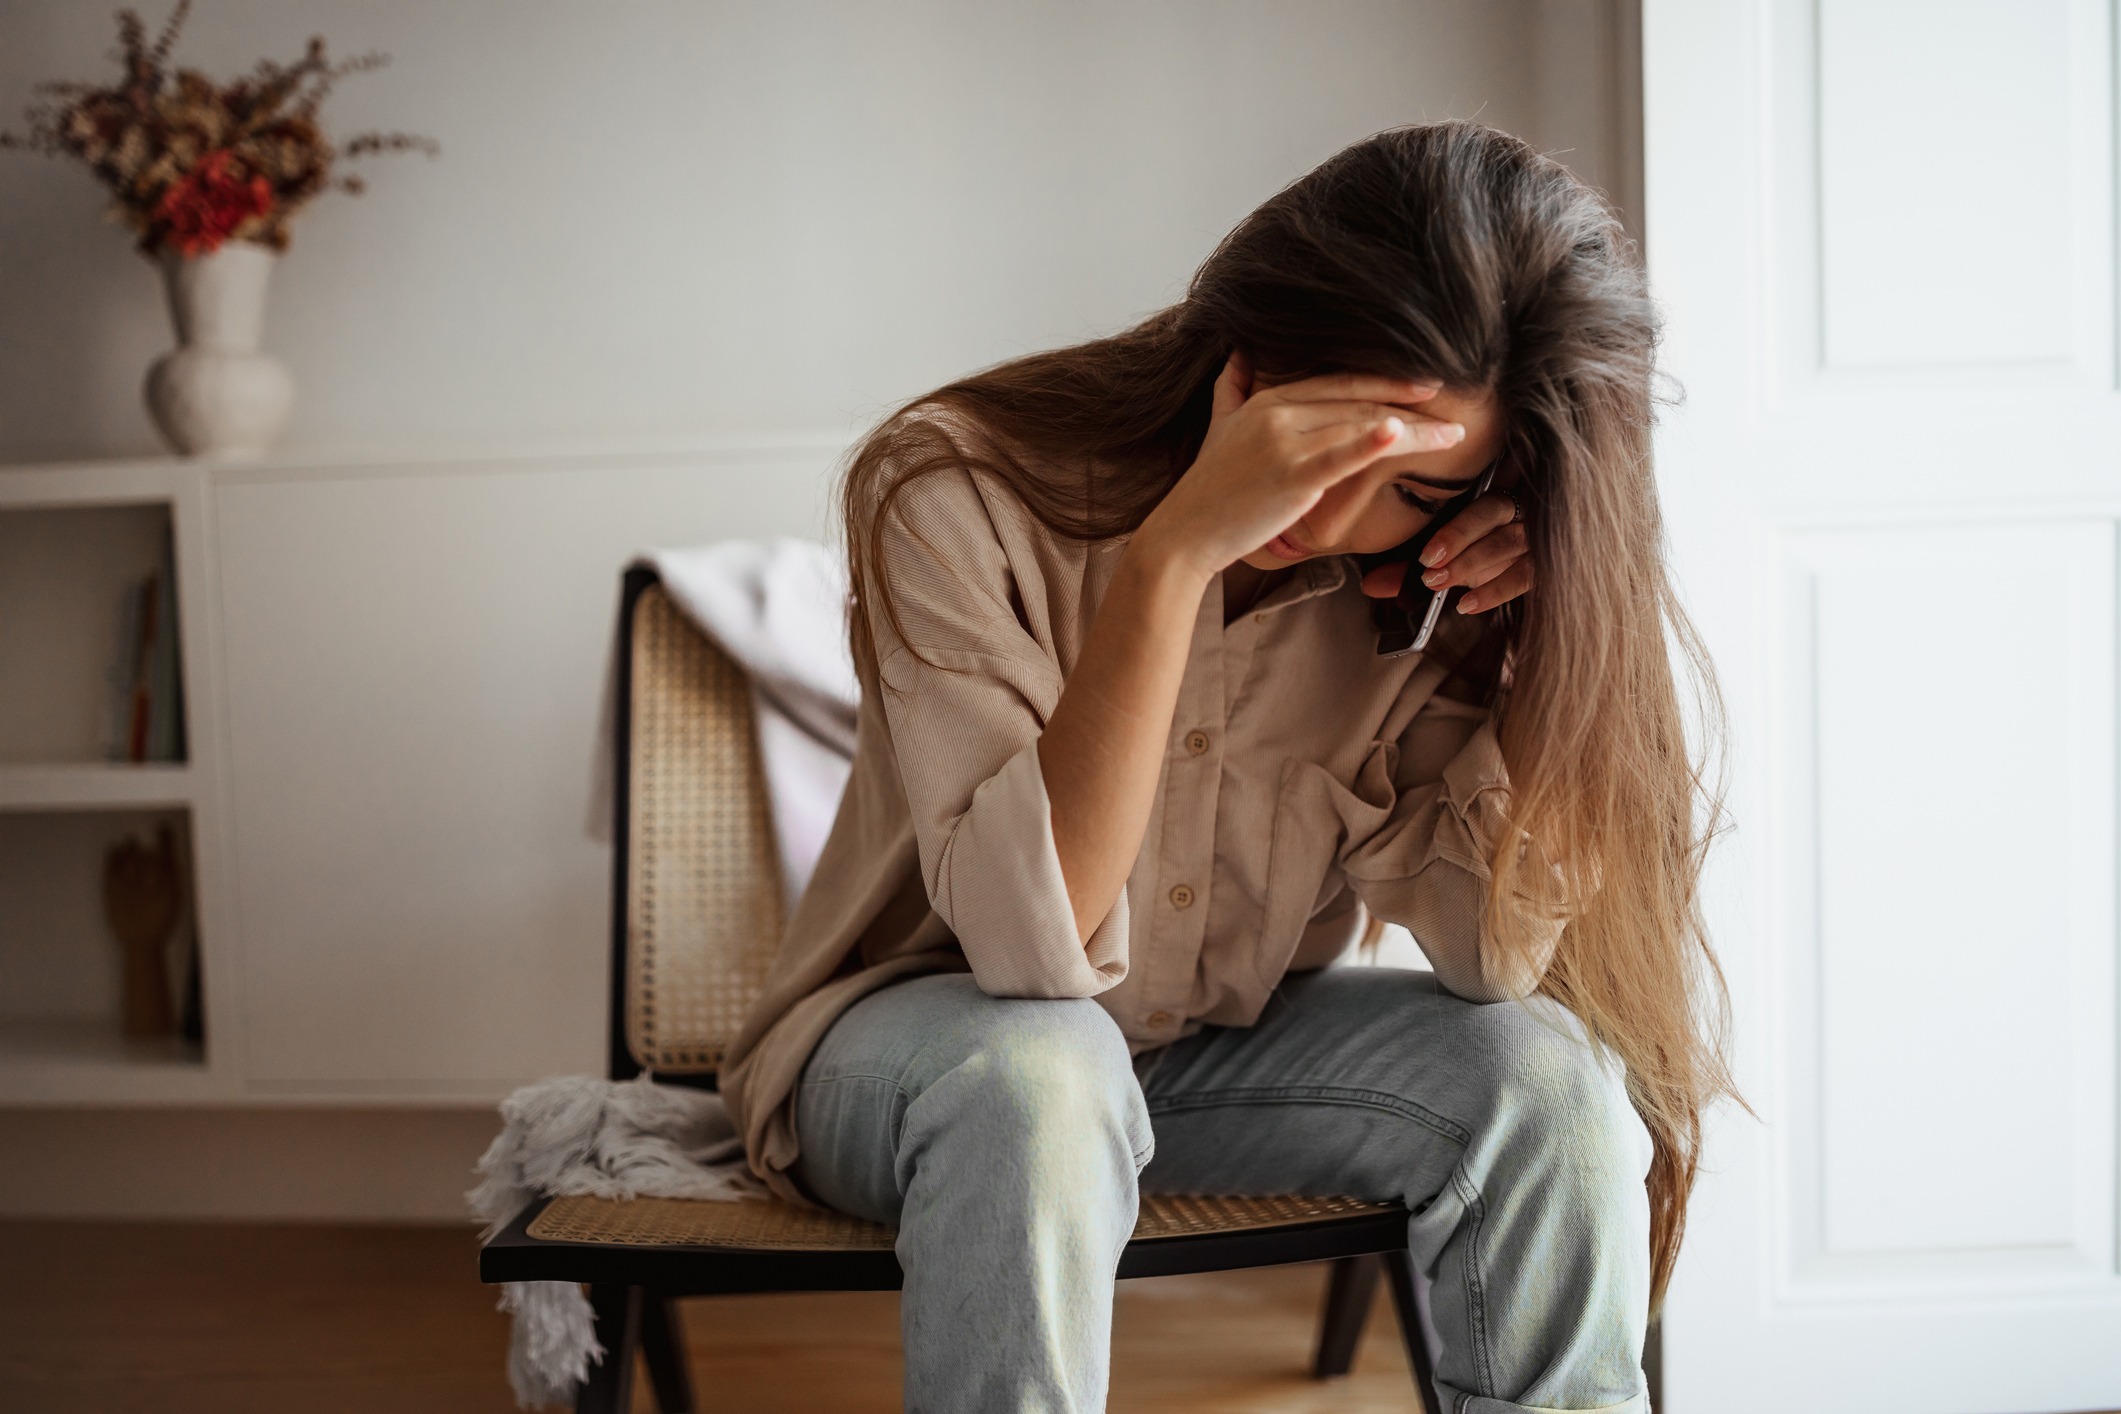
779, 610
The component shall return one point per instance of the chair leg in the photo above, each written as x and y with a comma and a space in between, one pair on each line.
1399, 1266
1349, 1292
663, 1346
609, 1388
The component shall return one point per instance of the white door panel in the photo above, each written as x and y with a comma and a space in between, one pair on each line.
1938, 198
1902, 142
1882, 231
1946, 847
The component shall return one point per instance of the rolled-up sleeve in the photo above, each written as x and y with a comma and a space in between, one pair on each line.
1426, 865
967, 690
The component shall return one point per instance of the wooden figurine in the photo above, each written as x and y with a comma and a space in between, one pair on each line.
142, 894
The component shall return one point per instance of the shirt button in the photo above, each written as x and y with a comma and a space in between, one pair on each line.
1159, 1018
1196, 742
1182, 897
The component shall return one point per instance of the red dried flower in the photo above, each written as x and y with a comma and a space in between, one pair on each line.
210, 203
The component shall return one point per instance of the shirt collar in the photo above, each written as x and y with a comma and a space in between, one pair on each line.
1313, 577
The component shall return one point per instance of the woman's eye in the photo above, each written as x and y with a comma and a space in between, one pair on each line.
1419, 503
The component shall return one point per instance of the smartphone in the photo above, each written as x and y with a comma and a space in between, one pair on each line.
1406, 622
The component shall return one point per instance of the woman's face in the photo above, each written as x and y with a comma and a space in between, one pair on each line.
1393, 497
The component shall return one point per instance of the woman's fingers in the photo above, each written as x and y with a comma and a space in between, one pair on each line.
1334, 453
1342, 449
1489, 512
1358, 387
1384, 581
1515, 580
1506, 580
1324, 416
1483, 549
1482, 560
1512, 579
1232, 386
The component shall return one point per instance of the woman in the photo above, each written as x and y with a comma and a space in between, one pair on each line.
1132, 771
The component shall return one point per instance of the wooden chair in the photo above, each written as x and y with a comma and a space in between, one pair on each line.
696, 910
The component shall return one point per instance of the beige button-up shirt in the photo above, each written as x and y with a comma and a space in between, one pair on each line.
1307, 782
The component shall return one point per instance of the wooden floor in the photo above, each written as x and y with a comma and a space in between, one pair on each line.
139, 1318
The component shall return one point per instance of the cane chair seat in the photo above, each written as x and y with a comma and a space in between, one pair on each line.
772, 1224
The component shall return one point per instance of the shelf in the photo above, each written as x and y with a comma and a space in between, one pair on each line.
75, 628
96, 785
66, 1062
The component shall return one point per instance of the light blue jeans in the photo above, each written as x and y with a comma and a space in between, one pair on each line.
1008, 1140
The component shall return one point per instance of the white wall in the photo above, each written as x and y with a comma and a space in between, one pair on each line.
690, 221
698, 219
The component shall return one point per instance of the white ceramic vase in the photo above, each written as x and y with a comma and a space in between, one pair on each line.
217, 393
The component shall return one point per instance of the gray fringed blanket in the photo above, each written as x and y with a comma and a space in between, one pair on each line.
610, 1139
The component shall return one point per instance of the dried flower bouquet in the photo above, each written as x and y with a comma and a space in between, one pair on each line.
191, 163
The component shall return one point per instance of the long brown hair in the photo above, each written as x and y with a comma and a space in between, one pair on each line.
1455, 251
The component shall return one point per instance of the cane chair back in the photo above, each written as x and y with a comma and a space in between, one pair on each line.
703, 906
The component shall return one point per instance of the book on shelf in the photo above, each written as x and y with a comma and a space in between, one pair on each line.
144, 712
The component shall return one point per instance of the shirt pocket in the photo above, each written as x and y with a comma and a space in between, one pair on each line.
1315, 816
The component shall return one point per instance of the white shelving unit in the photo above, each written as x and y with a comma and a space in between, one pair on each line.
85, 1062
392, 675
72, 536
97, 785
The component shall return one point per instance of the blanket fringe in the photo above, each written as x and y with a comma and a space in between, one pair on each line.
573, 1135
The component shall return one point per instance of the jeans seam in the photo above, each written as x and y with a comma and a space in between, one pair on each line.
1317, 1094
853, 1075
1476, 1291
898, 1111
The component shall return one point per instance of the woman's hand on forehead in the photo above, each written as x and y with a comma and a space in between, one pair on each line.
1378, 394
1272, 450
1483, 548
